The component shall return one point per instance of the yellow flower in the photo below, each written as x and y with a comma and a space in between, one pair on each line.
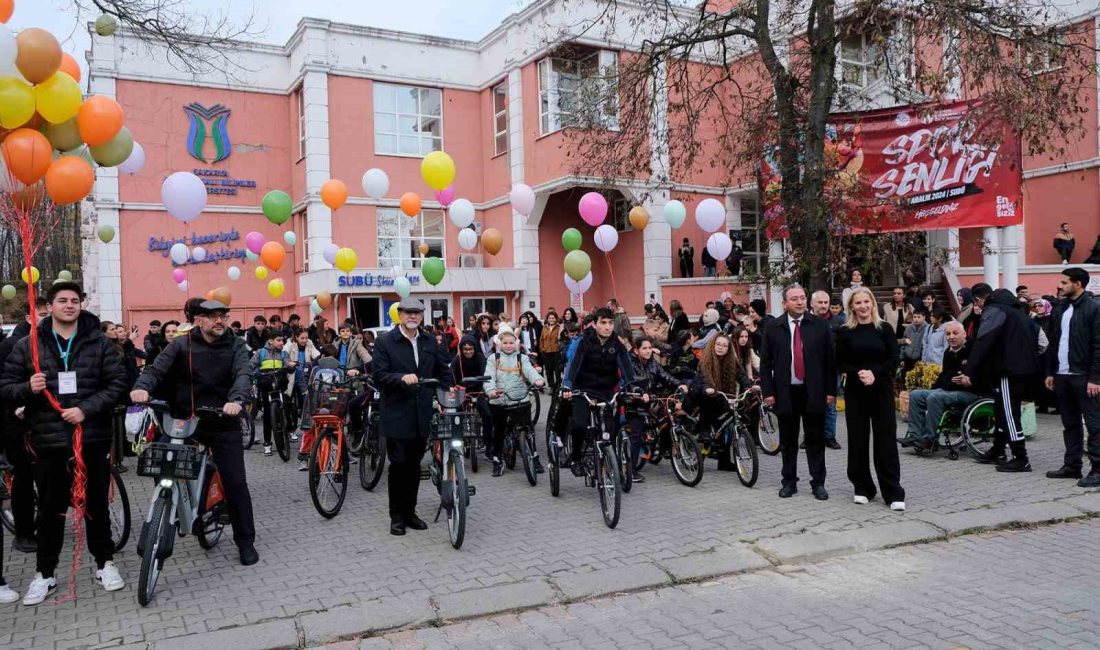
923, 375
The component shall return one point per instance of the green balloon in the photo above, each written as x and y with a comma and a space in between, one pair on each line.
577, 265
106, 25
65, 275
571, 239
116, 151
64, 136
82, 152
433, 270
8, 291
277, 207
106, 234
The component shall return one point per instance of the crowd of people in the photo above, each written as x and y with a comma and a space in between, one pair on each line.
1001, 344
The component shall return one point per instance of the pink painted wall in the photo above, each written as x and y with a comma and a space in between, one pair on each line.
693, 297
1073, 197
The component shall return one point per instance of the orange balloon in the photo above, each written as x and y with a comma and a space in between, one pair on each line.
69, 65
410, 204
99, 120
28, 154
7, 7
222, 295
39, 54
324, 299
492, 240
272, 254
423, 248
209, 295
69, 179
334, 194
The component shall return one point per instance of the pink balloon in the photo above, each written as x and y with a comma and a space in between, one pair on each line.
254, 241
445, 196
593, 208
179, 275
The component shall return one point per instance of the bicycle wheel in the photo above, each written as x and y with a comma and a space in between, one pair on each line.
686, 459
622, 454
118, 510
280, 430
510, 450
456, 516
768, 431
248, 429
536, 408
152, 537
211, 526
742, 452
372, 458
608, 483
328, 474
553, 469
526, 443
7, 517
471, 451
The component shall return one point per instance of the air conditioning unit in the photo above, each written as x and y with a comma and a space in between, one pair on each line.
470, 261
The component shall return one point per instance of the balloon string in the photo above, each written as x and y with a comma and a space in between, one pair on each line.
607, 256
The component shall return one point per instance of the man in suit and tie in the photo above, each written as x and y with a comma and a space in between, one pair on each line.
798, 380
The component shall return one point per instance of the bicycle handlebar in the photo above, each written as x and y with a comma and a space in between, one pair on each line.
160, 406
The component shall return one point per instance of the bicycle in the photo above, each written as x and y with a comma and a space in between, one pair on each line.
451, 430
730, 437
599, 465
666, 434
189, 498
329, 452
372, 449
520, 435
270, 385
473, 386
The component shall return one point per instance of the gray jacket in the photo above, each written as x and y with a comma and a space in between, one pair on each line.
510, 374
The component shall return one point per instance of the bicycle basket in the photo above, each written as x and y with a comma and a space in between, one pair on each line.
331, 401
269, 381
166, 459
456, 425
451, 399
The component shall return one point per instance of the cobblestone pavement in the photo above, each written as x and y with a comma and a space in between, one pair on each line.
1009, 589
515, 533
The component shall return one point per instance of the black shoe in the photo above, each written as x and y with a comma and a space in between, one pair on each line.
908, 441
397, 528
831, 443
538, 466
249, 556
1090, 481
498, 468
922, 444
787, 491
1015, 465
25, 544
567, 461
416, 523
578, 469
1065, 472
820, 493
990, 457
638, 478
122, 469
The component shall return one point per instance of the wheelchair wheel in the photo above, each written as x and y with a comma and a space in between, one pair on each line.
978, 426
950, 430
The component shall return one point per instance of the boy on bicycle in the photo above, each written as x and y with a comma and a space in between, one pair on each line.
509, 372
271, 357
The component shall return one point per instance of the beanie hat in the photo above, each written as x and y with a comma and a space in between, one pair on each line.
504, 329
759, 306
710, 317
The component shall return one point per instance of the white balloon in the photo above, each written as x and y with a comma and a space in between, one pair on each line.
250, 256
9, 49
315, 307
376, 183
719, 245
462, 213
234, 273
179, 253
606, 238
522, 198
290, 238
198, 254
402, 286
330, 252
467, 239
135, 162
710, 214
576, 287
184, 196
183, 285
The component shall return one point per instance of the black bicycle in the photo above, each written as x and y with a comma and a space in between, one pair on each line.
598, 463
270, 387
520, 434
372, 444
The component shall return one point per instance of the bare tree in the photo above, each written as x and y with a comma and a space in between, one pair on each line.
752, 76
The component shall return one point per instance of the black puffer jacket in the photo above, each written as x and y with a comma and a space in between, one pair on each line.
101, 383
1084, 338
1005, 345
653, 376
12, 426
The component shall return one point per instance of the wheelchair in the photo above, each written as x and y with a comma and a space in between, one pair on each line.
970, 428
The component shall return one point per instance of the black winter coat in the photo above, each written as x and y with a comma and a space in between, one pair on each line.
101, 383
1084, 338
1005, 345
406, 411
653, 376
13, 427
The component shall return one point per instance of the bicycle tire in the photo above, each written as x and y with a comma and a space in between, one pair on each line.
510, 450
686, 459
768, 431
472, 451
609, 485
622, 454
553, 468
210, 533
248, 430
526, 440
335, 466
742, 450
280, 431
7, 515
372, 459
536, 410
456, 516
152, 537
118, 510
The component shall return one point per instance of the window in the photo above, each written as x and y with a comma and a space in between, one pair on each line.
408, 121
754, 241
500, 119
620, 214
1044, 57
579, 88
475, 306
863, 59
301, 123
399, 237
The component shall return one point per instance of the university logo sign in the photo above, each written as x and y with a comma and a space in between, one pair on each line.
208, 121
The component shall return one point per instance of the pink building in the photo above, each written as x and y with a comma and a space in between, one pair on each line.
338, 99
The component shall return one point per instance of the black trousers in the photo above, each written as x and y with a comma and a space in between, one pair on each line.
53, 476
1008, 391
551, 363
814, 425
22, 488
687, 268
403, 481
1073, 403
869, 412
581, 415
229, 457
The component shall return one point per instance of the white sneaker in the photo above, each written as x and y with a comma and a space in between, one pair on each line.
294, 437
860, 500
40, 588
267, 450
8, 595
899, 506
109, 577
303, 466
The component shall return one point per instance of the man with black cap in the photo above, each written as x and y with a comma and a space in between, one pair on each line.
402, 357
209, 366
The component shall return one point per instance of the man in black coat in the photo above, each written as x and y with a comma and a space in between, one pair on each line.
798, 380
83, 371
154, 342
402, 357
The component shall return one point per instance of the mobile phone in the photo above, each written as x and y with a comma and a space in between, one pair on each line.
133, 328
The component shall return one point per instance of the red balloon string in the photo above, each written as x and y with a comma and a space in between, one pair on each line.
607, 256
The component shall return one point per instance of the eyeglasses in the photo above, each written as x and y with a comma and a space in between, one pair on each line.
216, 316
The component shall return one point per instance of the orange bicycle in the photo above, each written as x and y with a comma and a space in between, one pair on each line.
329, 455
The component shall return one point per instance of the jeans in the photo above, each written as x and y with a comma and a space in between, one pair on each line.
1073, 403
710, 271
830, 415
926, 407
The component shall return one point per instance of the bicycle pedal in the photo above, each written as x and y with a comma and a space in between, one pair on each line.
471, 490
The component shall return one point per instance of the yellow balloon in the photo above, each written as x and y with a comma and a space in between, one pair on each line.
16, 103
438, 170
34, 274
393, 312
275, 288
58, 98
346, 260
261, 272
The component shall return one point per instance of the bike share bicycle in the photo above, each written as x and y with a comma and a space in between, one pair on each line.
598, 463
453, 430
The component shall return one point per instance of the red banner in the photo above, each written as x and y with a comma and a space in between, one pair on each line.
914, 168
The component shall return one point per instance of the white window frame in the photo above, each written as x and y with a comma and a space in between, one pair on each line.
753, 262
1045, 60
500, 89
409, 235
552, 71
462, 305
301, 123
418, 120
